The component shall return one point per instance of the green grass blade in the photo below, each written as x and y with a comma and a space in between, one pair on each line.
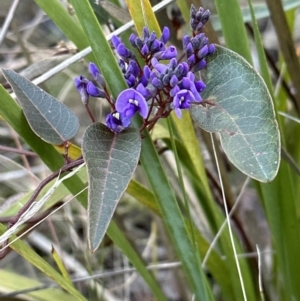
105, 59
234, 32
124, 244
115, 81
12, 282
172, 218
25, 251
143, 16
279, 202
13, 114
215, 264
68, 25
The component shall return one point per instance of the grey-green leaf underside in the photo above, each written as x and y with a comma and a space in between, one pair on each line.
48, 118
243, 115
111, 160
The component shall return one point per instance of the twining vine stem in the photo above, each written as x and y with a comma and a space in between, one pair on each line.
13, 220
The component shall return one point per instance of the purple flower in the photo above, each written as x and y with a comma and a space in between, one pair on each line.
191, 60
117, 122
145, 50
200, 65
147, 72
211, 48
124, 52
165, 35
146, 33
198, 18
186, 40
155, 46
94, 91
167, 54
115, 41
86, 87
173, 81
200, 85
130, 101
189, 50
81, 84
93, 69
132, 39
182, 100
202, 53
144, 91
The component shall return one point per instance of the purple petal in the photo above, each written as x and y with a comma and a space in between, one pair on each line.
165, 35
117, 122
200, 85
151, 38
157, 83
191, 76
132, 39
146, 32
211, 48
178, 113
145, 50
144, 91
189, 50
200, 65
139, 43
183, 100
80, 82
202, 53
147, 72
173, 81
133, 98
169, 53
191, 60
94, 91
174, 91
115, 41
173, 63
186, 83
122, 50
94, 70
161, 68
185, 41
155, 46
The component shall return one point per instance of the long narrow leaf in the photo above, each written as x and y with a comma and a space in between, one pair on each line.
234, 32
25, 251
281, 214
101, 49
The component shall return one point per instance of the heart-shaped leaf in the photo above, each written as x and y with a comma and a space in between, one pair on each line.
242, 112
48, 118
111, 160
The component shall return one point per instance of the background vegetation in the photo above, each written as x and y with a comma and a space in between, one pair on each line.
142, 256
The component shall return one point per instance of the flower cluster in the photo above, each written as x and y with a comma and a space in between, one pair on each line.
156, 88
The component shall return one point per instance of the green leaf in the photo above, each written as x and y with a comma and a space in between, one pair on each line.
143, 15
25, 251
260, 10
48, 118
60, 265
102, 51
111, 160
243, 115
128, 250
12, 282
234, 32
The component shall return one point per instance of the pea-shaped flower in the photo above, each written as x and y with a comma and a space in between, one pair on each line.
182, 100
130, 101
117, 122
